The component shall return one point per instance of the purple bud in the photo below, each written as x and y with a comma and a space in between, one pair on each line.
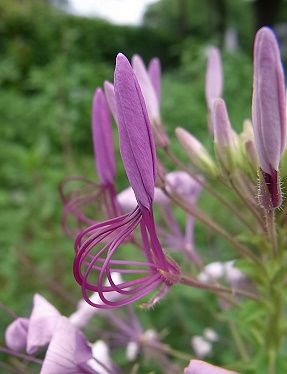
110, 96
103, 139
154, 71
147, 88
136, 141
268, 114
214, 77
224, 136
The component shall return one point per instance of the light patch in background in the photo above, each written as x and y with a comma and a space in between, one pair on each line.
122, 12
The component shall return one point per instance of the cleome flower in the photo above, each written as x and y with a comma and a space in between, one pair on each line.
98, 248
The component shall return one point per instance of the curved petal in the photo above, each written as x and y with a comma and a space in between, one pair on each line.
16, 334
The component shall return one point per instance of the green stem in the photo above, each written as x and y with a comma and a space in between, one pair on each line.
238, 341
271, 230
242, 250
208, 188
217, 289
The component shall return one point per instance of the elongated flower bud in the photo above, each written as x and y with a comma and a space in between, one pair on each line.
136, 141
224, 136
214, 77
110, 96
149, 90
196, 152
268, 115
103, 139
154, 72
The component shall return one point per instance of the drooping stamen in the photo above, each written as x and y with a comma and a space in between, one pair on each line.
86, 204
93, 265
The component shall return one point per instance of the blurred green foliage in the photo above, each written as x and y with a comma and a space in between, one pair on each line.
50, 65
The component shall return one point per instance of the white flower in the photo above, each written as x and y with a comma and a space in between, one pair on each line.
101, 353
201, 346
132, 351
210, 335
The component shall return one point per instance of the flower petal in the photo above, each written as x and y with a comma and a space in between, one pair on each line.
201, 367
68, 351
16, 334
136, 141
43, 320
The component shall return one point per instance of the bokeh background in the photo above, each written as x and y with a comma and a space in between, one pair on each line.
53, 54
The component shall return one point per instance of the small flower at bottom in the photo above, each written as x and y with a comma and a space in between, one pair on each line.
201, 367
98, 247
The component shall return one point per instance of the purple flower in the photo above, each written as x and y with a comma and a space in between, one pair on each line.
35, 332
268, 114
201, 367
98, 248
102, 196
68, 351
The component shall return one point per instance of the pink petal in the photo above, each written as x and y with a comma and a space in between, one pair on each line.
16, 334
201, 367
68, 351
43, 320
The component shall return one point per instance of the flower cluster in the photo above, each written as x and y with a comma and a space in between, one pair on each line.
131, 245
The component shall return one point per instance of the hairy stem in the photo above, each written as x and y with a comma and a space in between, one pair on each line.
271, 230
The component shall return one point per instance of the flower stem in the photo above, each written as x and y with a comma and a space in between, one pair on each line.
271, 230
242, 250
208, 188
217, 289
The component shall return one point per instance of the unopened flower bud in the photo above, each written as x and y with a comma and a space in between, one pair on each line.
196, 152
268, 115
224, 137
249, 148
214, 77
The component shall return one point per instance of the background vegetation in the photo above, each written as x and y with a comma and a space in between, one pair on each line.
50, 65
